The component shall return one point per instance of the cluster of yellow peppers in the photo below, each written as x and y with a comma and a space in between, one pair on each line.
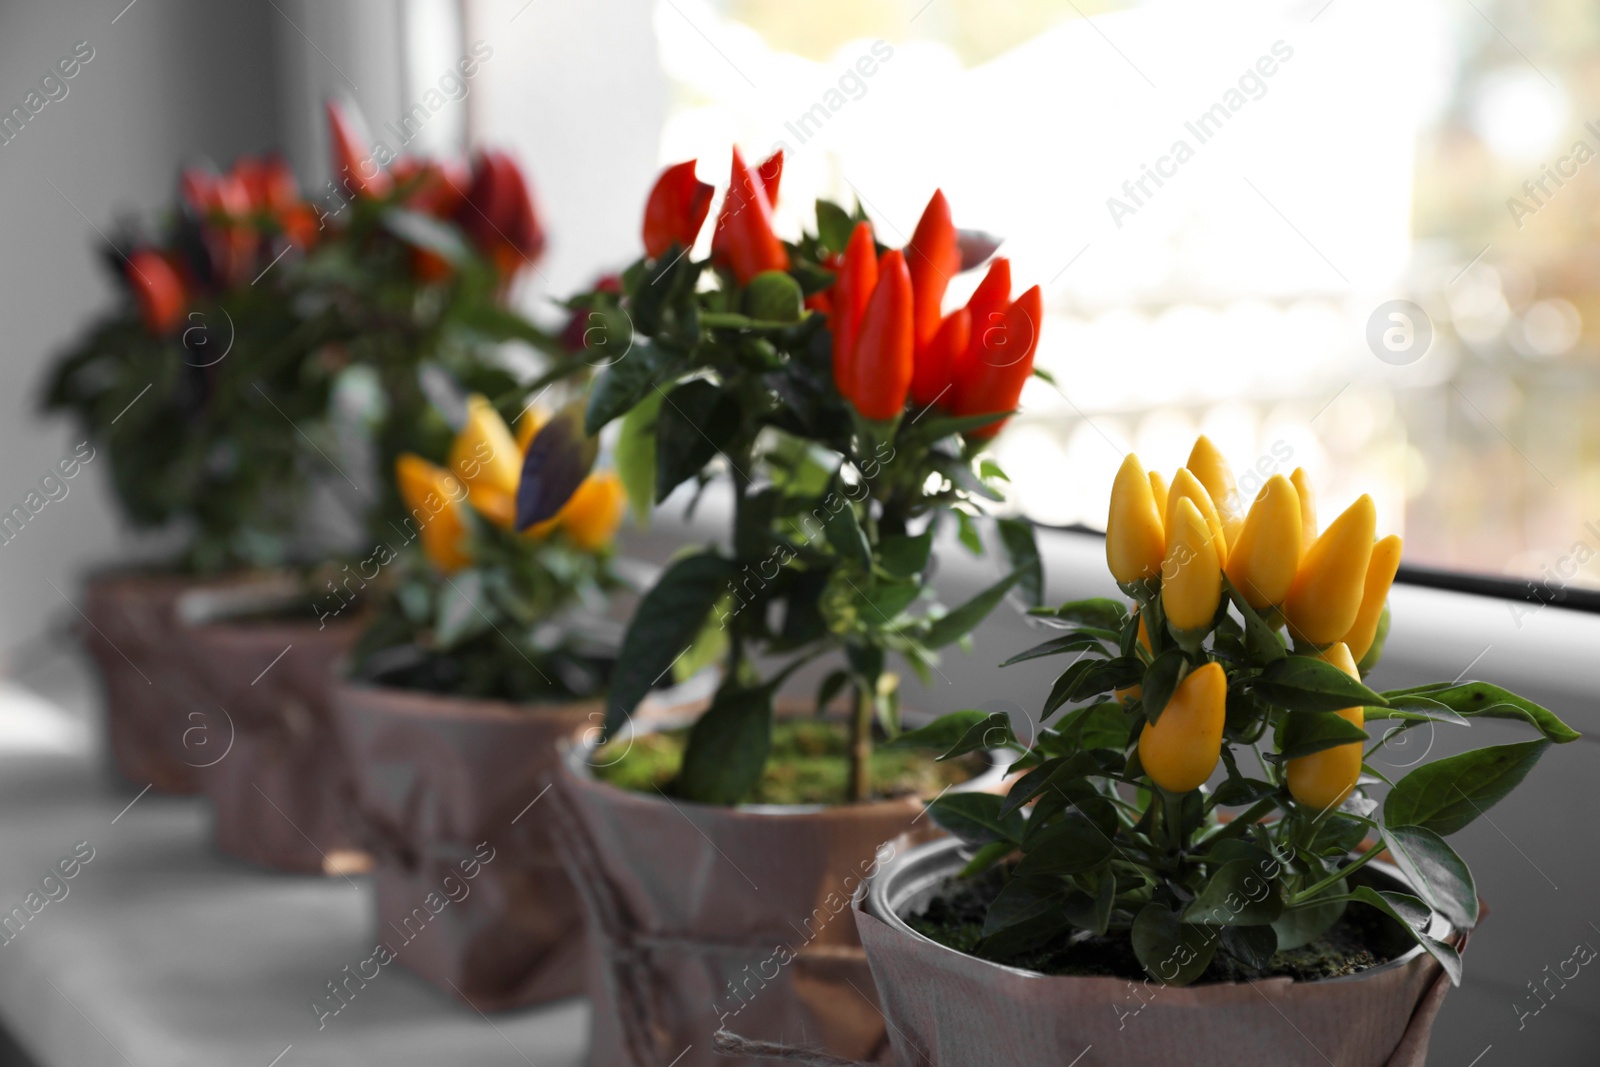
485, 467
1329, 590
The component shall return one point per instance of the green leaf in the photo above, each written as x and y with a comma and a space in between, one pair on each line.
1057, 645
1103, 725
1446, 795
1298, 927
626, 382
904, 556
1071, 845
1161, 680
1412, 915
1170, 950
1027, 912
830, 688
1253, 946
967, 533
993, 731
1099, 612
1021, 548
834, 226
728, 747
1261, 640
886, 600
1435, 871
695, 422
1302, 683
1237, 792
976, 818
1237, 895
1305, 732
636, 456
942, 733
845, 536
1482, 700
664, 626
960, 621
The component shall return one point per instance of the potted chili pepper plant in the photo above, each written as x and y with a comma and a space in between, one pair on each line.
290, 309
1191, 864
476, 661
821, 381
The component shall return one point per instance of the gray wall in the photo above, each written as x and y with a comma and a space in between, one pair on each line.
169, 79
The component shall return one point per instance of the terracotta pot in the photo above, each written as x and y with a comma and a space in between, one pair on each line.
448, 792
275, 772
710, 917
154, 700
948, 1009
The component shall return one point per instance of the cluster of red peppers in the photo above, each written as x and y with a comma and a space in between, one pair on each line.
891, 340
246, 217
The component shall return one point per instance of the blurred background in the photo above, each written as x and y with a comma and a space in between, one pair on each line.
1223, 201
1348, 235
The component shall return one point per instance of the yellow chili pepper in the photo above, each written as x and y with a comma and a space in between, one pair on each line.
1326, 595
434, 498
1308, 506
591, 517
1323, 779
484, 454
1381, 570
1181, 750
1185, 486
1134, 539
1158, 490
1191, 576
1211, 467
1266, 554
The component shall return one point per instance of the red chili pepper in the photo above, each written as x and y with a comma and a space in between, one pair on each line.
993, 380
881, 363
932, 378
744, 241
158, 290
435, 187
354, 167
676, 210
933, 257
771, 174
499, 215
222, 206
857, 277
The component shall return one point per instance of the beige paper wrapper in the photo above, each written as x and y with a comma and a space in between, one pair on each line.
132, 631
947, 1009
436, 776
283, 790
710, 917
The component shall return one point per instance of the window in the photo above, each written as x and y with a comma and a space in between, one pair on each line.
1347, 238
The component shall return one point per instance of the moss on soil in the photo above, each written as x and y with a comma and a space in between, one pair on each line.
809, 765
954, 918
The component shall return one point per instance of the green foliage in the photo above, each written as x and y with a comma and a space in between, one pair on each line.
834, 518
500, 629
1087, 843
220, 427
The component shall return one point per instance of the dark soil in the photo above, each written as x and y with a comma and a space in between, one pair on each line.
1362, 938
809, 765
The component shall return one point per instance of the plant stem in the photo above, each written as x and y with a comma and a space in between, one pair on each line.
1333, 879
861, 745
1172, 816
